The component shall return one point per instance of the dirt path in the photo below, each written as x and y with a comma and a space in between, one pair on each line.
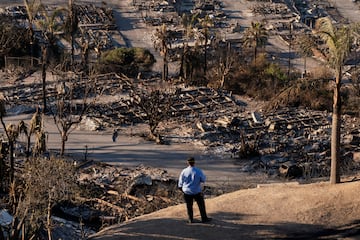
316, 211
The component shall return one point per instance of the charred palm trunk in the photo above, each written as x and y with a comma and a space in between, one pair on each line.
182, 60
335, 131
165, 67
12, 160
43, 75
205, 54
31, 45
73, 26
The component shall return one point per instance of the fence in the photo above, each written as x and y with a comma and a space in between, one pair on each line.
21, 61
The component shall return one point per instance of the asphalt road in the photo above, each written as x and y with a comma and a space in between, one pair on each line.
131, 151
349, 9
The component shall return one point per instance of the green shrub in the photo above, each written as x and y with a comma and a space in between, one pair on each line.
261, 80
128, 61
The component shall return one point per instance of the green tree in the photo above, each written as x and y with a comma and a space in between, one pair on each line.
338, 41
255, 36
126, 60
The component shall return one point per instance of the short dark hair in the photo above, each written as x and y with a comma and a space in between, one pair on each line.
191, 160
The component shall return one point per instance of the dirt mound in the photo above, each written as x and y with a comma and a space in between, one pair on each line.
275, 211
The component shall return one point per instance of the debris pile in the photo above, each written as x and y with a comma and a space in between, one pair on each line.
121, 194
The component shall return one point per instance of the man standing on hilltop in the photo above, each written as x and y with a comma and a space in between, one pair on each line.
189, 183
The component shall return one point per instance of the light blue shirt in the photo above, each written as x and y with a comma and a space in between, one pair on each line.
190, 180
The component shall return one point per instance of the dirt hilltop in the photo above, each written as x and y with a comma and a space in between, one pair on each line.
274, 211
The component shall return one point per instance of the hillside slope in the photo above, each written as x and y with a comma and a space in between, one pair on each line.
277, 211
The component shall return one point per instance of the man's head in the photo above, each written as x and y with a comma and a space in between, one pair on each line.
191, 161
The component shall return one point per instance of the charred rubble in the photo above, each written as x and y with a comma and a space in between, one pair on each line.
273, 139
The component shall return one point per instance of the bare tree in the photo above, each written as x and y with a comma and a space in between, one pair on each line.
223, 63
156, 106
72, 101
44, 183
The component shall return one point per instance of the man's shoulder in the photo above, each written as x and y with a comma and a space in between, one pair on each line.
185, 169
197, 169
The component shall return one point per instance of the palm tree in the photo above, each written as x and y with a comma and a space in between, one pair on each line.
338, 42
49, 25
35, 127
188, 21
162, 41
256, 36
71, 27
304, 46
206, 23
192, 63
32, 8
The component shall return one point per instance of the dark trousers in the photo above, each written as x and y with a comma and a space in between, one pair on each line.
199, 198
